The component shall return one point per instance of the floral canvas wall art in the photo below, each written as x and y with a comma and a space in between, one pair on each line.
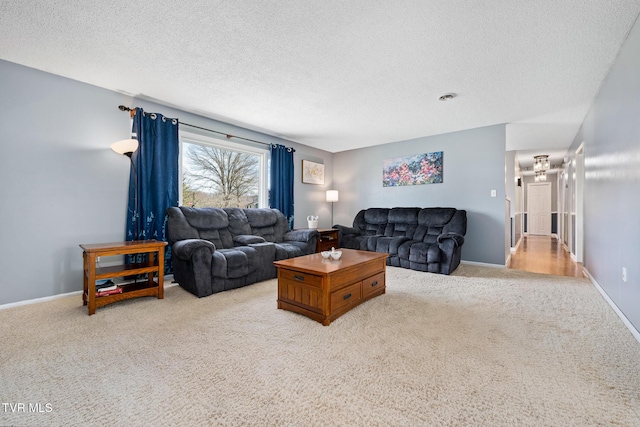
312, 173
412, 170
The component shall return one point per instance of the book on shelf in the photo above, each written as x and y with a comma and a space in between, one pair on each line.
106, 288
102, 293
105, 284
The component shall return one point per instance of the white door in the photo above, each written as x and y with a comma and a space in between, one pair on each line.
539, 208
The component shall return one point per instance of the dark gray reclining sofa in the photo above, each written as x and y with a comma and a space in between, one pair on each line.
424, 239
216, 249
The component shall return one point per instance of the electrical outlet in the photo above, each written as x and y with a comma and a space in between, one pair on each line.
624, 274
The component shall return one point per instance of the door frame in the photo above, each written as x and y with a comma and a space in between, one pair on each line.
577, 251
538, 184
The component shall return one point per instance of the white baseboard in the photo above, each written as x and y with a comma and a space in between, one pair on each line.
38, 300
613, 305
483, 264
515, 249
167, 284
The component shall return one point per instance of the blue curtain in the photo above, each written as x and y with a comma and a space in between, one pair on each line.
281, 176
153, 182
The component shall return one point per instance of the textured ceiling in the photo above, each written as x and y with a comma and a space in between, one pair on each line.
338, 75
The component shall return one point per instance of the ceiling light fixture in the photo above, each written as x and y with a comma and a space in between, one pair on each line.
447, 97
541, 176
541, 163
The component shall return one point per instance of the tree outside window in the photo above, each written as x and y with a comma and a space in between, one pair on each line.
219, 177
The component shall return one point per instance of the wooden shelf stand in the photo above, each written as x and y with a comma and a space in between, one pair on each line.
153, 268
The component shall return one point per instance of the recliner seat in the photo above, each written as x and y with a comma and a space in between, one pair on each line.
216, 249
423, 239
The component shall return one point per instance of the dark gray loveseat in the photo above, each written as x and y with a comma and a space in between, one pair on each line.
216, 249
424, 239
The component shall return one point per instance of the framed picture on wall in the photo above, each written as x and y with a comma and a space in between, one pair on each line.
312, 173
413, 170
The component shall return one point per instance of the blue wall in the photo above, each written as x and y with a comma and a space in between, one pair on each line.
473, 166
611, 136
63, 186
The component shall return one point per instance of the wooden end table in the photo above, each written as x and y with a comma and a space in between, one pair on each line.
153, 266
328, 239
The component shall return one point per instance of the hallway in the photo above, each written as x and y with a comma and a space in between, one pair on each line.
544, 254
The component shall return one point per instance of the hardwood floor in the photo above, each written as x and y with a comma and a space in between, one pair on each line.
544, 254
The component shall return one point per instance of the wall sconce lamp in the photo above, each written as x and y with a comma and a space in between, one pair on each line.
332, 196
126, 147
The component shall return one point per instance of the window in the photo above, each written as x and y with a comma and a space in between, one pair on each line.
218, 173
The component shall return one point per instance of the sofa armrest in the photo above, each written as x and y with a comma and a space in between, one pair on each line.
300, 235
183, 249
343, 229
458, 239
247, 239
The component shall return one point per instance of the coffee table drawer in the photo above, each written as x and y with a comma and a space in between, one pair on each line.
299, 277
372, 284
345, 297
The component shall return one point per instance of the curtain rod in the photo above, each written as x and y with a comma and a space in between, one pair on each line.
229, 136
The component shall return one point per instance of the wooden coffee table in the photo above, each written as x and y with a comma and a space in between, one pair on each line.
325, 289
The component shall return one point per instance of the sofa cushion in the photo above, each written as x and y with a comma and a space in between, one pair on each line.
206, 218
247, 239
288, 250
351, 241
371, 221
267, 223
402, 222
438, 217
390, 245
233, 263
212, 225
261, 217
238, 221
421, 252
370, 243
178, 228
431, 222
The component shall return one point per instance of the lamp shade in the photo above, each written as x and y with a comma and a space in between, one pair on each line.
126, 146
332, 195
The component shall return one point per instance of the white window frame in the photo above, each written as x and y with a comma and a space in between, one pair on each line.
220, 142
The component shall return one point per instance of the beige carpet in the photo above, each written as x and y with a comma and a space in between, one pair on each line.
483, 347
